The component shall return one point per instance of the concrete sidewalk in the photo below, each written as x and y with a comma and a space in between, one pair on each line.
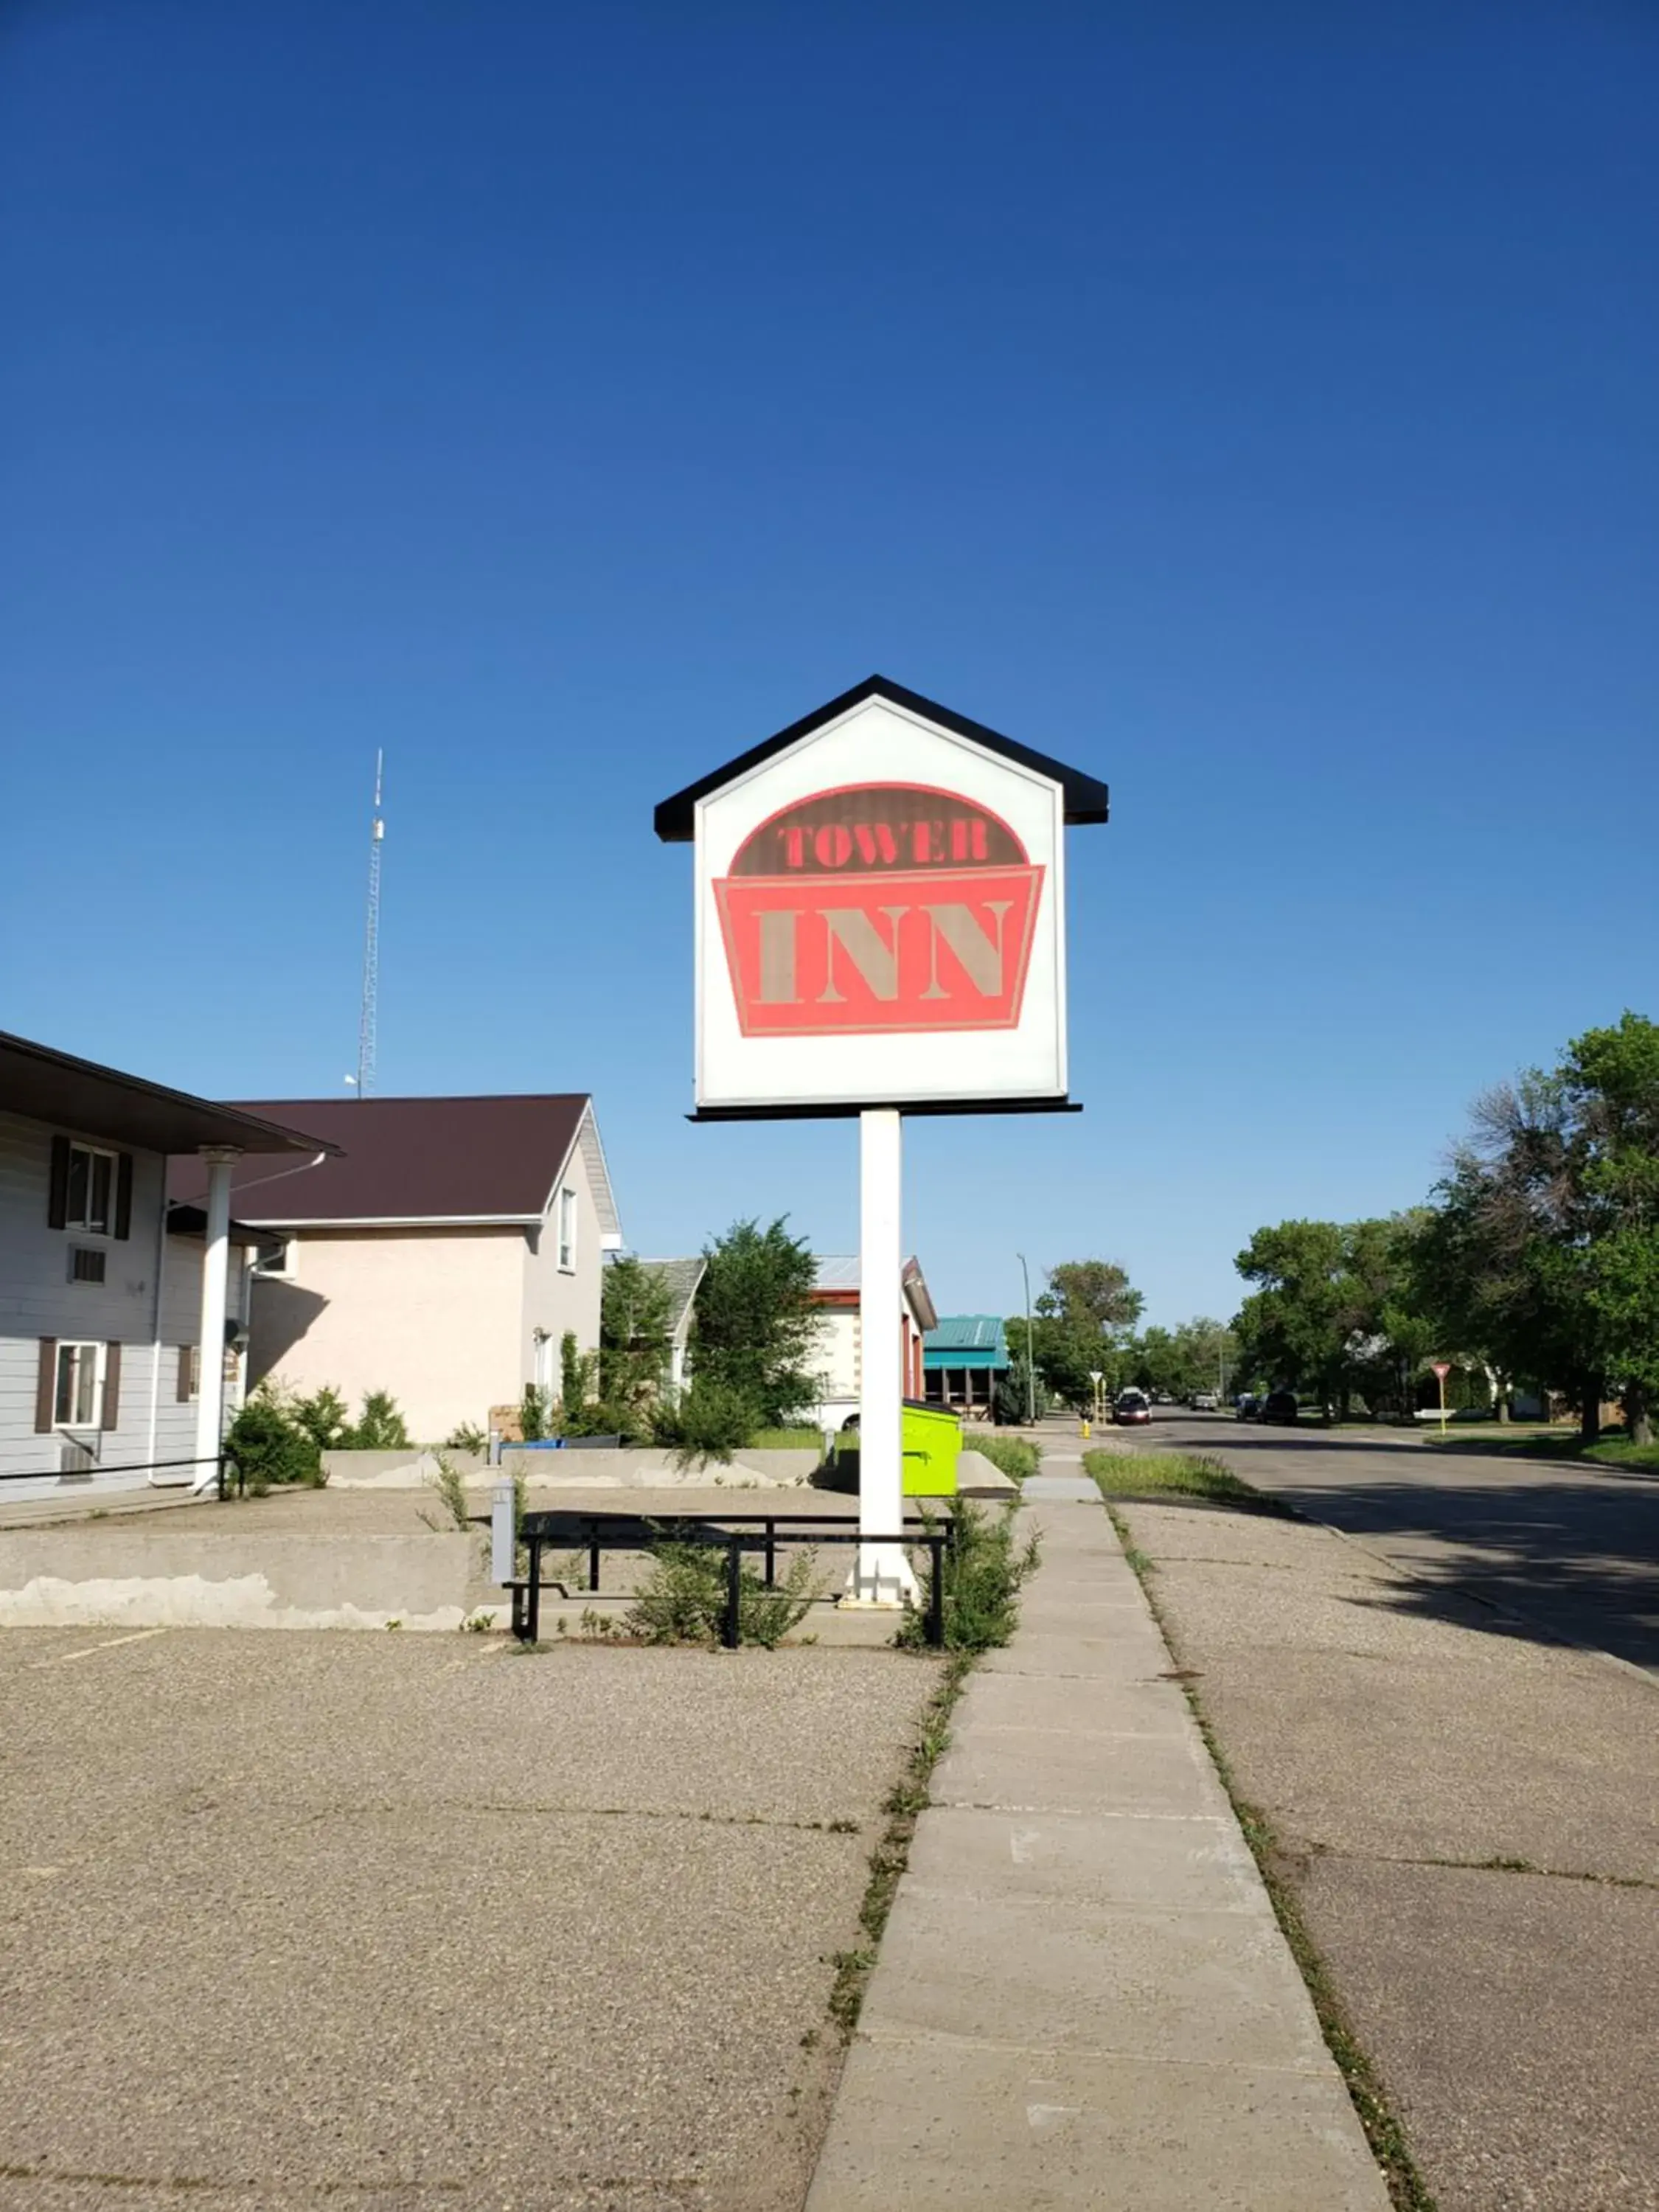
1082, 1998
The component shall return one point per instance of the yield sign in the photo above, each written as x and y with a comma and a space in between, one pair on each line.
1442, 1368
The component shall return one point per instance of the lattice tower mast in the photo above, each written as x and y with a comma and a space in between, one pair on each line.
369, 1015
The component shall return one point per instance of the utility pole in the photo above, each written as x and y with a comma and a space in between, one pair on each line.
368, 1018
1030, 1356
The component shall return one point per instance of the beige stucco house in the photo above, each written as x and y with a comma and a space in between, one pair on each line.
441, 1257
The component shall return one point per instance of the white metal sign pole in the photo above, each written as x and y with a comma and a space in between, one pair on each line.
883, 1575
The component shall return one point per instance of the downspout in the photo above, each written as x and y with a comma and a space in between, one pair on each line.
155, 1334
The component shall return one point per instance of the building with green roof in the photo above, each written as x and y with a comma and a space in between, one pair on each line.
961, 1360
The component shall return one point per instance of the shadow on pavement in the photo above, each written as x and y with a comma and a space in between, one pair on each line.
1565, 1559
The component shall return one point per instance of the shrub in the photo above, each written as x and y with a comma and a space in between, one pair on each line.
983, 1571
467, 1436
683, 1598
380, 1426
271, 1445
712, 1420
452, 1495
325, 1417
532, 1414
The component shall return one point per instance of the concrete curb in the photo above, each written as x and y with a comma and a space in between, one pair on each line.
1083, 1997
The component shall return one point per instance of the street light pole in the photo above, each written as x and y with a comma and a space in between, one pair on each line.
1030, 1359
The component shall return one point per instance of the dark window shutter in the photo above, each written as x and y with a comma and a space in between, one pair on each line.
182, 1388
46, 1382
57, 1190
123, 1195
111, 1386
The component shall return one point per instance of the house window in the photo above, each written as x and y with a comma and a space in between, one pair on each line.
279, 1263
567, 1229
79, 1402
85, 1264
91, 1197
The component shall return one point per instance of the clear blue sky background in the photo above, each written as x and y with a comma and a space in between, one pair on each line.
1255, 406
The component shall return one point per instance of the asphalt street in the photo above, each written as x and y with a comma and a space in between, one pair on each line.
1561, 1549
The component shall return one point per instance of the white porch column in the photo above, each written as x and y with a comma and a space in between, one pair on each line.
211, 1393
882, 1576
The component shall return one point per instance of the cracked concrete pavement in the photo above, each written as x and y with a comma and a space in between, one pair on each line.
1469, 1817
293, 1917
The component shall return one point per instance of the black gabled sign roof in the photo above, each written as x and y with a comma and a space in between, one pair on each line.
1086, 800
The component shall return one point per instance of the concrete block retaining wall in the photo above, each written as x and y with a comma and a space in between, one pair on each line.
646, 1468
111, 1576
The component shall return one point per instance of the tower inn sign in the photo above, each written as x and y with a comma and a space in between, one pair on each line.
880, 927
879, 913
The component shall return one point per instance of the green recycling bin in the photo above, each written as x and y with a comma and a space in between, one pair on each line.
932, 1445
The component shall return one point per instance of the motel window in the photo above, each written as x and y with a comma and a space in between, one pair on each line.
79, 1400
90, 1189
567, 1229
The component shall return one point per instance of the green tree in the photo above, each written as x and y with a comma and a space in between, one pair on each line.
1094, 1296
1508, 1254
1080, 1326
1297, 1325
380, 1426
1337, 1311
754, 1329
1611, 1084
634, 1306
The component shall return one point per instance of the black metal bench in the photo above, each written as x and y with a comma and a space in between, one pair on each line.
597, 1533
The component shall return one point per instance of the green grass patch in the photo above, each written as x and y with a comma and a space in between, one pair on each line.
892, 1854
1015, 1456
1160, 1474
1509, 1443
785, 1440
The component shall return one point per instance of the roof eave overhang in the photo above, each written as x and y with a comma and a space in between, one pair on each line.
287, 1221
1086, 799
67, 1093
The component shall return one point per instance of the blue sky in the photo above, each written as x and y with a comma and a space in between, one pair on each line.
1254, 407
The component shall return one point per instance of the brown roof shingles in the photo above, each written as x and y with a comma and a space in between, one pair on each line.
405, 1159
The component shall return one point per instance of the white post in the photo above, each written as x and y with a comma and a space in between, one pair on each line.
882, 1576
502, 1532
210, 1389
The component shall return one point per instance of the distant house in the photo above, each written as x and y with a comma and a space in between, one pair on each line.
108, 1377
840, 1353
441, 1257
962, 1360
682, 1277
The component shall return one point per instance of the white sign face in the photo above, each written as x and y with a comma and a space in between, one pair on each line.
880, 921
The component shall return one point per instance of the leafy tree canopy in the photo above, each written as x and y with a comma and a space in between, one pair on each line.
756, 1330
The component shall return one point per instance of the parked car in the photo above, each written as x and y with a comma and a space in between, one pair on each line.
1244, 1406
1130, 1407
1204, 1402
1279, 1406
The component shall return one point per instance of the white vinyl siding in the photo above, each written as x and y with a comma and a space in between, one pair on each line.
39, 1299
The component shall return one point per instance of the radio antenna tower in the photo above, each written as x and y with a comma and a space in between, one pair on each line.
366, 1023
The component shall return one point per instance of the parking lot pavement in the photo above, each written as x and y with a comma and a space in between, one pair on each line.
425, 1922
1467, 1817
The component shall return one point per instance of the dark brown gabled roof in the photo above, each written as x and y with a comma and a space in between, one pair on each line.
407, 1160
1086, 798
